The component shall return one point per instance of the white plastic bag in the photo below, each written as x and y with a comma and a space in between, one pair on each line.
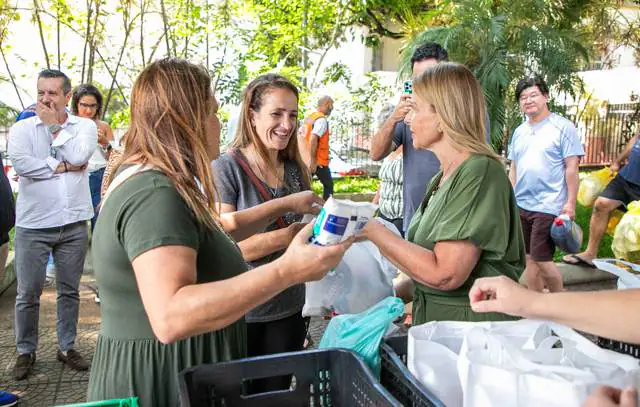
502, 374
362, 279
626, 279
512, 364
433, 351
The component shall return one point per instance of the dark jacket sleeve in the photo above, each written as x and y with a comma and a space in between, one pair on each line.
7, 207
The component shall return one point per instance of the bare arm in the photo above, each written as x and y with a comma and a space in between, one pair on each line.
245, 223
572, 179
513, 176
625, 153
611, 314
376, 198
445, 268
313, 150
382, 141
262, 244
178, 308
105, 137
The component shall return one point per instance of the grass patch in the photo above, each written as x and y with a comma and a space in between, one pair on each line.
583, 217
350, 185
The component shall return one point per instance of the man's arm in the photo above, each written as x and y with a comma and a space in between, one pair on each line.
22, 158
77, 150
615, 166
572, 179
382, 142
313, 150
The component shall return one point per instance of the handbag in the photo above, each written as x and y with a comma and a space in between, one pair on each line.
244, 165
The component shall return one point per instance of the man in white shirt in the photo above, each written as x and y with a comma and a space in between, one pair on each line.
50, 152
314, 144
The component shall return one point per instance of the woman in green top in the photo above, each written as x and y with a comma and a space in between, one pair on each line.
468, 224
174, 285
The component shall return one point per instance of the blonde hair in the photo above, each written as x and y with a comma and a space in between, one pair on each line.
253, 99
457, 97
171, 103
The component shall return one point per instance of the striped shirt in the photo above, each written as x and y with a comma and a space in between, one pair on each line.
391, 204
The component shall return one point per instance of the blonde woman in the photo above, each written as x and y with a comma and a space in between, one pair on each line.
173, 282
468, 225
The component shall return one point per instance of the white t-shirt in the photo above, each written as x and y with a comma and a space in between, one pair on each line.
320, 126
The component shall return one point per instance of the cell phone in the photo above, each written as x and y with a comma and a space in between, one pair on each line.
408, 87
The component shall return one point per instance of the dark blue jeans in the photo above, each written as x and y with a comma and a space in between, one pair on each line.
95, 185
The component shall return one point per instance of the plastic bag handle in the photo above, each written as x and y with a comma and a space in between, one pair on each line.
634, 267
496, 344
609, 266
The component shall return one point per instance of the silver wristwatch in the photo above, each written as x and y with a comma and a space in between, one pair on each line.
54, 128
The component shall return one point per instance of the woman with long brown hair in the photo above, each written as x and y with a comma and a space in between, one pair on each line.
468, 225
174, 285
263, 163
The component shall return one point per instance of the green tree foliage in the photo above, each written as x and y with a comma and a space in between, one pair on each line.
503, 41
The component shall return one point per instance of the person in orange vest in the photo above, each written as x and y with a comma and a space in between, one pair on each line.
316, 135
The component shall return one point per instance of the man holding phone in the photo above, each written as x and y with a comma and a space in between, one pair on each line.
50, 151
419, 165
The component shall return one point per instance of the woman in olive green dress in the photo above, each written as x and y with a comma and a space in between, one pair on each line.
173, 283
468, 224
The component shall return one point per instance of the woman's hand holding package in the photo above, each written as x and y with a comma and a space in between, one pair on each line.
304, 262
368, 230
304, 202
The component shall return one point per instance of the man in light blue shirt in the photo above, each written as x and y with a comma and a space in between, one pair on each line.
545, 152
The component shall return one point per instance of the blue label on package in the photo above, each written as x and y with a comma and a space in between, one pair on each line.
336, 224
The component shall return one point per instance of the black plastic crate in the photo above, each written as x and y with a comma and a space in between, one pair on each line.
620, 347
396, 377
322, 378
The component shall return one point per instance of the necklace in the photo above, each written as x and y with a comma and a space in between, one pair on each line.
274, 191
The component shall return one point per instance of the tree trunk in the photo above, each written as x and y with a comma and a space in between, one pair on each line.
334, 38
166, 28
92, 43
185, 53
143, 10
44, 45
207, 37
13, 82
154, 48
58, 34
128, 29
87, 36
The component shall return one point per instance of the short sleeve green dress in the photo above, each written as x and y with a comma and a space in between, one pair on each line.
143, 213
476, 203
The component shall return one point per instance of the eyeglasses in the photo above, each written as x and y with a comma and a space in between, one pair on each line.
88, 105
531, 96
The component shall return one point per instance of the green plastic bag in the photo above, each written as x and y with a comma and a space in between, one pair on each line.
362, 333
129, 402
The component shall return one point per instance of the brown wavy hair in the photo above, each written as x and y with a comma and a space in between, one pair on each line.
252, 100
456, 95
171, 102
